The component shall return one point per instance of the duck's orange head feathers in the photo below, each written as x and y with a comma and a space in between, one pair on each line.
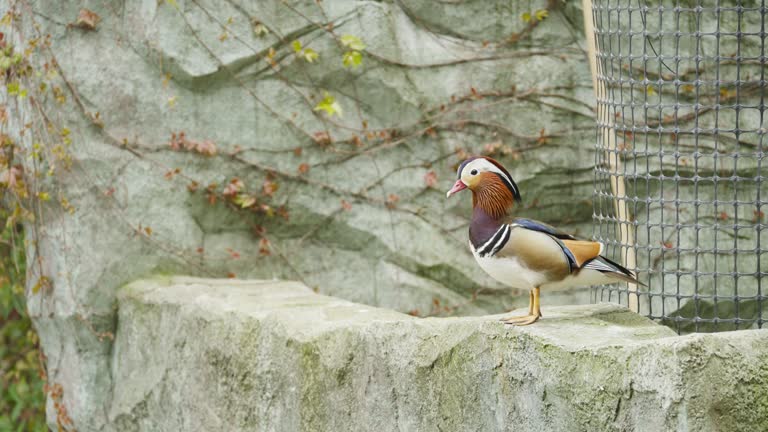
493, 188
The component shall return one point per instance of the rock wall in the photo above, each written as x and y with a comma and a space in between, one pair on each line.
201, 355
146, 112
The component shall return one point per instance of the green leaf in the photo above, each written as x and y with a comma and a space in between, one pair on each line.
13, 88
329, 105
260, 30
352, 42
526, 16
542, 14
352, 59
296, 45
310, 55
245, 201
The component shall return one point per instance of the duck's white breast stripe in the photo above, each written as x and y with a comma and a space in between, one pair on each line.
502, 241
490, 240
495, 243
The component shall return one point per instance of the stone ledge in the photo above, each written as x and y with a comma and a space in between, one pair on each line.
197, 354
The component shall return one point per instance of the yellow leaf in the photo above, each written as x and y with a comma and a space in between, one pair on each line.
526, 16
6, 21
260, 29
296, 45
310, 55
245, 201
542, 14
352, 59
329, 105
352, 42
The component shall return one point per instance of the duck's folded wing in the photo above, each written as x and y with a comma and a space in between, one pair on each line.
582, 250
538, 251
541, 227
576, 252
546, 250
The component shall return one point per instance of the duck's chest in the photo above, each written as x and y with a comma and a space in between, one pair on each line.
509, 270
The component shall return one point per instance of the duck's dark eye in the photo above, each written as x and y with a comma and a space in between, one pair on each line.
473, 172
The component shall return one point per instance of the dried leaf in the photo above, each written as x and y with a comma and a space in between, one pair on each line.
269, 187
392, 200
264, 246
759, 216
233, 187
87, 19
322, 138
303, 168
430, 179
207, 148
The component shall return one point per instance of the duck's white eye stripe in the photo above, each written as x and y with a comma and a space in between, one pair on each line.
493, 168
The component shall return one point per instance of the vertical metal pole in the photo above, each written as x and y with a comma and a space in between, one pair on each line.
626, 227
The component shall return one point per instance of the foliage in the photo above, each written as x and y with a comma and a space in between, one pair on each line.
539, 15
22, 401
329, 105
352, 58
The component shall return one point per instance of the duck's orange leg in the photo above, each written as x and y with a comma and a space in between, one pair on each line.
534, 311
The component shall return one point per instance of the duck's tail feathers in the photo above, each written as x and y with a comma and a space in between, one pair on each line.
612, 269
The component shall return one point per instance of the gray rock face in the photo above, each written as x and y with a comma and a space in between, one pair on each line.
201, 355
432, 81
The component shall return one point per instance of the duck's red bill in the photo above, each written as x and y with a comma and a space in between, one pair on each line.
459, 185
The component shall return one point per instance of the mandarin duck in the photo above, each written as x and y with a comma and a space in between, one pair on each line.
524, 253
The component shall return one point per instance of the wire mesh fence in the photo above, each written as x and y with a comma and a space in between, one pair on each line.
679, 178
